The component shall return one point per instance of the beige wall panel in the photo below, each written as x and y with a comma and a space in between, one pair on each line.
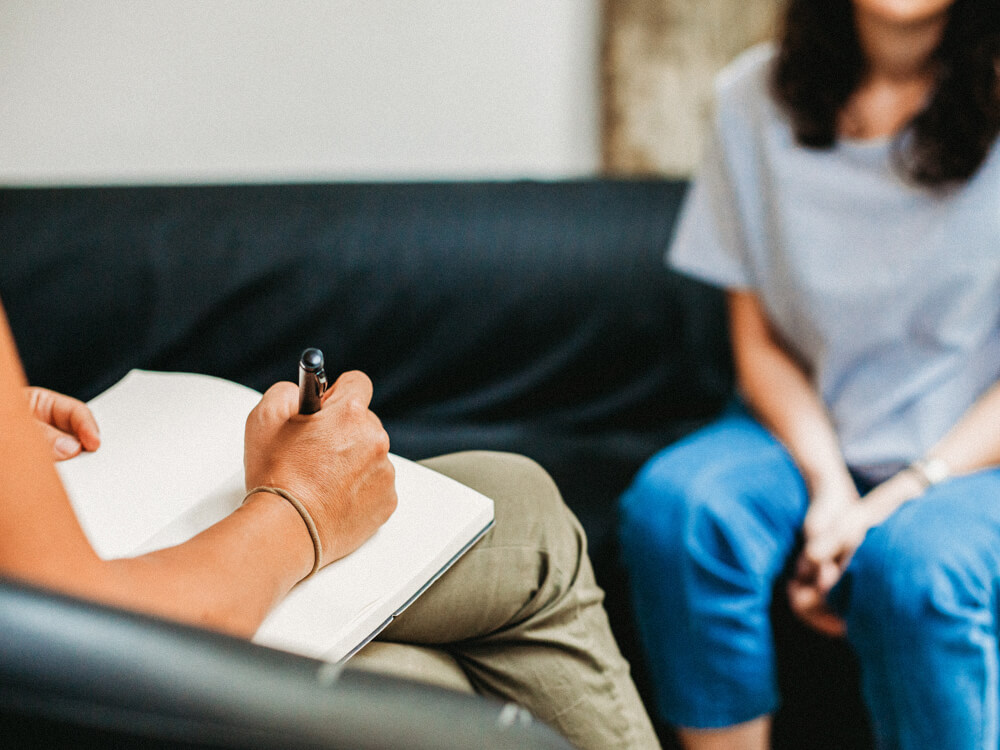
659, 60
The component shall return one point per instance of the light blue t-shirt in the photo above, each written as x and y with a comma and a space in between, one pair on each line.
889, 293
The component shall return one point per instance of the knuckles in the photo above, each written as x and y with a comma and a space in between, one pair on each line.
380, 442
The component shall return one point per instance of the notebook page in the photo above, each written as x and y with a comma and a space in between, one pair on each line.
169, 441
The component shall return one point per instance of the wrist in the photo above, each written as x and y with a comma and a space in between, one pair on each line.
281, 520
894, 492
832, 488
928, 472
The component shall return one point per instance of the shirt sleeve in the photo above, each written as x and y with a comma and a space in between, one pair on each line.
710, 243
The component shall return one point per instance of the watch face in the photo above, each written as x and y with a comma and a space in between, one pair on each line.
930, 471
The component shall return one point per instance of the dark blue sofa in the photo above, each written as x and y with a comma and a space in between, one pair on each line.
535, 317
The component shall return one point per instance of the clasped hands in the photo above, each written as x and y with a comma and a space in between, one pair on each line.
835, 526
336, 462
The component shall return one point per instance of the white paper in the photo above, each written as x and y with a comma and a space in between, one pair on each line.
171, 464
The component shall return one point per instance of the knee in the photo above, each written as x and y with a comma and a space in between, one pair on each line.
517, 484
534, 491
529, 509
908, 572
552, 526
551, 545
676, 522
652, 512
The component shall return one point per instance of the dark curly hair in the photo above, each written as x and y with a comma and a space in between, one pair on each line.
820, 64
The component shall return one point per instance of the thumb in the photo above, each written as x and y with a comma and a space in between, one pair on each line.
63, 444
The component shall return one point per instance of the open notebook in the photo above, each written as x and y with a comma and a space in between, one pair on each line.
171, 464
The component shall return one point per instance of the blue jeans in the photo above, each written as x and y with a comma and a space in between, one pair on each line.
710, 523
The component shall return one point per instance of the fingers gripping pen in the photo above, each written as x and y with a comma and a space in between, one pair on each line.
312, 381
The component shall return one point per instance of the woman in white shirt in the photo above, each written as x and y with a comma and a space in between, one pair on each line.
849, 204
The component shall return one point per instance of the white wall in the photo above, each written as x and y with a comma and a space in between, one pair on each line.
106, 91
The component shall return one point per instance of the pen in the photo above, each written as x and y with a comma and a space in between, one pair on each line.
312, 381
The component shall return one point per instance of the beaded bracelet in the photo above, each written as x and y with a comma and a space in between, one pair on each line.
306, 517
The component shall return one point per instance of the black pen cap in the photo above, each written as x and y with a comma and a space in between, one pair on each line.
311, 360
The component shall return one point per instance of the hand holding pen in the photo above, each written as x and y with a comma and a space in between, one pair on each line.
334, 461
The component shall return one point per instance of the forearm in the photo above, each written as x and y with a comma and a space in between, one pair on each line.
974, 442
226, 578
784, 401
780, 394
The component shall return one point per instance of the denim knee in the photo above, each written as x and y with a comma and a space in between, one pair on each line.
650, 515
919, 598
912, 569
705, 528
727, 501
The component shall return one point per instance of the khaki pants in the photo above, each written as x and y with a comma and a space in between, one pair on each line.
519, 616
